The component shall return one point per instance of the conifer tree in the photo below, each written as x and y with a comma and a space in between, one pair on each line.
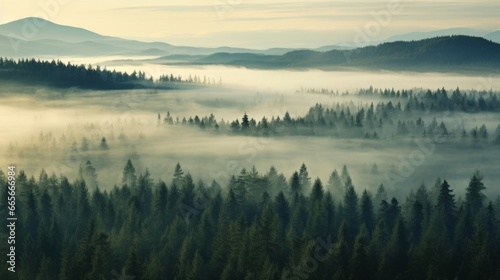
295, 186
304, 179
351, 212
367, 212
474, 198
129, 178
446, 207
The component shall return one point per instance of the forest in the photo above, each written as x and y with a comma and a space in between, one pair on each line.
60, 75
350, 140
78, 220
259, 226
406, 114
449, 54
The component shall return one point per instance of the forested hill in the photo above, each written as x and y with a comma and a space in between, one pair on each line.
447, 53
260, 226
61, 75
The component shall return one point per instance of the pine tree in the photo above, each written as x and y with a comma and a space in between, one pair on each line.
160, 200
346, 179
104, 144
342, 252
474, 198
295, 186
83, 210
84, 253
304, 179
100, 264
367, 212
45, 207
422, 196
85, 145
88, 173
446, 207
282, 209
481, 264
395, 259
129, 178
351, 213
390, 212
335, 184
378, 243
30, 212
245, 124
261, 241
360, 260
317, 191
178, 176
380, 196
416, 222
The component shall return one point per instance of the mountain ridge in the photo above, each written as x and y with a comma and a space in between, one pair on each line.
444, 53
52, 39
31, 32
39, 28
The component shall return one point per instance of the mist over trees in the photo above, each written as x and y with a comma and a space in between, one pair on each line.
105, 215
449, 54
408, 113
60, 75
260, 226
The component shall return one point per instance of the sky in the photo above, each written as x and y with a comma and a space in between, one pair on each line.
258, 23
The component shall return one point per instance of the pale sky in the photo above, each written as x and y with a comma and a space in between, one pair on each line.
257, 23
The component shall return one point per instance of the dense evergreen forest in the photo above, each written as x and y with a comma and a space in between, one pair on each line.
403, 116
260, 226
60, 75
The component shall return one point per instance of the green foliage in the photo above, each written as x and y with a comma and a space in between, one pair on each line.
57, 74
401, 116
143, 233
474, 198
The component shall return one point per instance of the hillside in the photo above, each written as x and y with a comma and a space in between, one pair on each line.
455, 53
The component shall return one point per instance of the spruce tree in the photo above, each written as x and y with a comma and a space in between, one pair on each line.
317, 191
474, 198
446, 207
129, 178
351, 212
304, 179
367, 212
295, 186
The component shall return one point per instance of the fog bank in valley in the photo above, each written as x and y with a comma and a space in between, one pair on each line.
58, 131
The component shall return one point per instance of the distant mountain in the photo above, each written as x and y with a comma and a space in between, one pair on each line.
32, 28
493, 36
12, 47
35, 36
447, 53
412, 36
331, 48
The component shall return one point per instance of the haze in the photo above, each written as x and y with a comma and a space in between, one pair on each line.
255, 23
95, 114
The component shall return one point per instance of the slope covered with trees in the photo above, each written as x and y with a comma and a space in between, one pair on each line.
60, 75
447, 53
259, 226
